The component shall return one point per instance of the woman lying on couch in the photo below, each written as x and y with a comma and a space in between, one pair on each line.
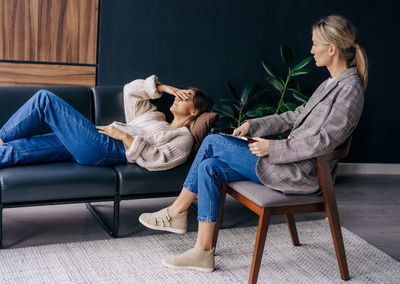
146, 138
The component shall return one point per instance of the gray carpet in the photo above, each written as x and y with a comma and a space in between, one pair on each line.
138, 259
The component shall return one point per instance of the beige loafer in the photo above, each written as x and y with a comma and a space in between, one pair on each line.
165, 220
193, 259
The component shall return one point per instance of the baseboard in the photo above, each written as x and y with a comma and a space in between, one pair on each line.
368, 169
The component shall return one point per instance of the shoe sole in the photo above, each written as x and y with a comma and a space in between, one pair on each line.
158, 228
196, 268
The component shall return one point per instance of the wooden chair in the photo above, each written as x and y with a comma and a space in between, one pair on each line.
267, 202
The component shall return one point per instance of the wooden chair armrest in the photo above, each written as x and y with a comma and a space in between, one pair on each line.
337, 154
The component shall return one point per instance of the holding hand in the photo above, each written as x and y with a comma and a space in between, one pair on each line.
116, 133
259, 148
242, 130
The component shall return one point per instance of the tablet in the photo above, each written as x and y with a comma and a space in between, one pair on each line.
243, 138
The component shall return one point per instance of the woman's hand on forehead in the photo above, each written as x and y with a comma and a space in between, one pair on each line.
183, 95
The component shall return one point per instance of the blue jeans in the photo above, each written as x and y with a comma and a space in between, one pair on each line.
74, 137
219, 160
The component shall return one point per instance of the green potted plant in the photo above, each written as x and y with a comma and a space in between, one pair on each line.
245, 105
238, 109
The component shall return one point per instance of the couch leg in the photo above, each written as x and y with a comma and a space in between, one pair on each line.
115, 226
112, 230
1, 226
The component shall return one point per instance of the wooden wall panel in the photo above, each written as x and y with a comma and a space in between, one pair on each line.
23, 74
63, 31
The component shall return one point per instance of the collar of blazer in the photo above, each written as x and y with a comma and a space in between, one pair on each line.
322, 92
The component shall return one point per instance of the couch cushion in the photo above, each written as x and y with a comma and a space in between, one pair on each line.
266, 197
133, 179
12, 98
58, 181
109, 105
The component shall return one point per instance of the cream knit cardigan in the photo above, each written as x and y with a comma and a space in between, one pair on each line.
157, 146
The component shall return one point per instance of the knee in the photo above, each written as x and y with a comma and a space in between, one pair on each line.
211, 139
208, 167
44, 94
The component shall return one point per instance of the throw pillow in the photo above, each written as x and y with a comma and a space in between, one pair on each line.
201, 129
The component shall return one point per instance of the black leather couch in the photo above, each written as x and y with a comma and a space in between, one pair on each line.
68, 182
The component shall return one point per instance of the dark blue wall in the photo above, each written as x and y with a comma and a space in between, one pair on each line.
205, 43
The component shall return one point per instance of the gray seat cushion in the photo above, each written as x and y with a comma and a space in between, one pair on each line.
266, 197
133, 179
58, 181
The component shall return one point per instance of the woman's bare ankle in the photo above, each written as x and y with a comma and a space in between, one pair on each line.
1, 142
175, 210
203, 247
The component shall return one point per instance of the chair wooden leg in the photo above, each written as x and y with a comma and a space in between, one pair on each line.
262, 229
292, 229
331, 210
337, 237
221, 211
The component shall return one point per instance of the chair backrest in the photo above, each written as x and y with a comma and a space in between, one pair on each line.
339, 153
324, 171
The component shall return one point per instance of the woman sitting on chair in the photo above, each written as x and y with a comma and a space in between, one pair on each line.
317, 127
146, 138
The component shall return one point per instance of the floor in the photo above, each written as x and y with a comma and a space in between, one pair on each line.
369, 206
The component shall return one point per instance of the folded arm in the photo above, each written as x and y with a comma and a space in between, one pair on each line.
137, 95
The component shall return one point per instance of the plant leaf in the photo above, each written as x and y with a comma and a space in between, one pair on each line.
287, 106
224, 110
227, 100
303, 63
286, 54
254, 98
269, 69
299, 95
260, 110
247, 90
254, 113
294, 84
300, 72
275, 83
233, 90
236, 107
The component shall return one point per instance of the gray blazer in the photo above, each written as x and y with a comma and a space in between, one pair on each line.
317, 127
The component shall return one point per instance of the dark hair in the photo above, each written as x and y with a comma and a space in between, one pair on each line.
202, 103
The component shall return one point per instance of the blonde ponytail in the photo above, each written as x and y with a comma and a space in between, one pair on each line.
361, 61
